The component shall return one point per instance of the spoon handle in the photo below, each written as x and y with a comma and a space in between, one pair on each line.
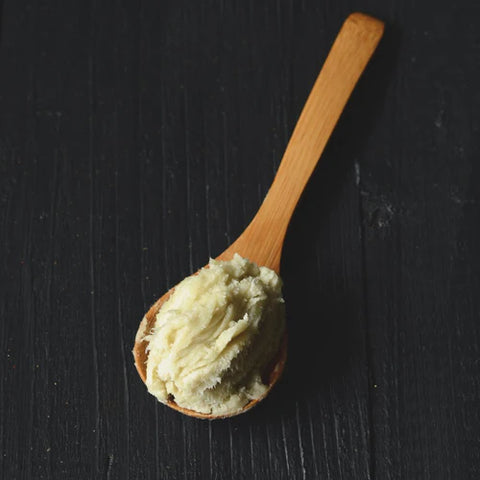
262, 240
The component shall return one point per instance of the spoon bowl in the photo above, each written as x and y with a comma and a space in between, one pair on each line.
270, 376
262, 240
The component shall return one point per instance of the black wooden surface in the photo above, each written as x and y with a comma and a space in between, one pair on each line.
139, 137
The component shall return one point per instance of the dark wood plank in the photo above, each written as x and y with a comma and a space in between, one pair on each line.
419, 195
47, 414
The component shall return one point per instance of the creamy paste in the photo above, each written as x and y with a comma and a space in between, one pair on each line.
214, 336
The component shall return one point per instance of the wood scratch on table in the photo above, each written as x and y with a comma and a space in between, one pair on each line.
300, 444
91, 149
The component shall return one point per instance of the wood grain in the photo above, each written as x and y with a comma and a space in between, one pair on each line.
127, 128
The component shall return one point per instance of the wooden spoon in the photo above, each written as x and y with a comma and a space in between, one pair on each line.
262, 240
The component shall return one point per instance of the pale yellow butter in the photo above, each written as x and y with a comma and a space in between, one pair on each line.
215, 335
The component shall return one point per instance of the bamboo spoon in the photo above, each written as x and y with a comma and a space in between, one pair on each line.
262, 240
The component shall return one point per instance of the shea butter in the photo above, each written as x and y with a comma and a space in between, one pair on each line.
214, 337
